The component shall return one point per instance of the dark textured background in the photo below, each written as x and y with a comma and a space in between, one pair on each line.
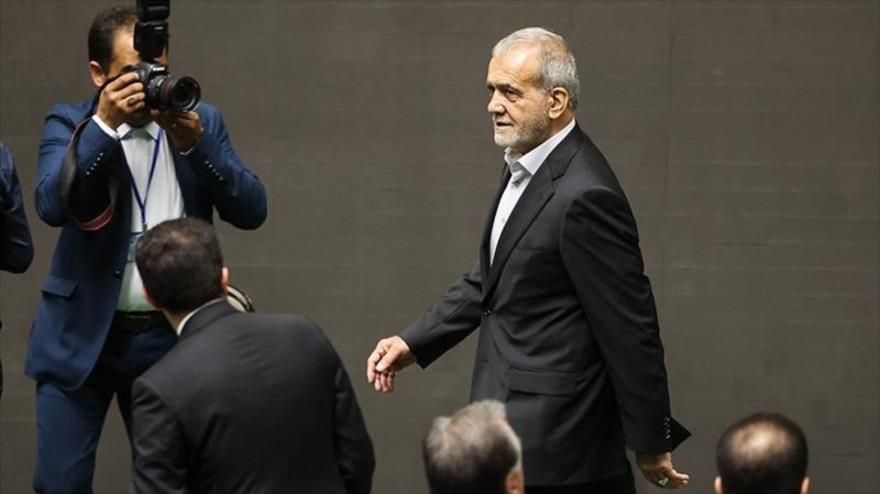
746, 135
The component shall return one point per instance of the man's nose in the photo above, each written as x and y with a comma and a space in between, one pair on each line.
494, 106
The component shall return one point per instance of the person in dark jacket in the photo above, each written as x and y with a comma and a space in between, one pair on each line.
245, 402
16, 245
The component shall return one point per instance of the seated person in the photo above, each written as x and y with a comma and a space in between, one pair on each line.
474, 452
764, 453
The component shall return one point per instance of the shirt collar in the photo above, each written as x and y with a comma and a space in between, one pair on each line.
126, 131
532, 160
189, 316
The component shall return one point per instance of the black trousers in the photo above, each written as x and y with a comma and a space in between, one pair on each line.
619, 484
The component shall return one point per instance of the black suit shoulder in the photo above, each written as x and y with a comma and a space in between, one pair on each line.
588, 171
272, 333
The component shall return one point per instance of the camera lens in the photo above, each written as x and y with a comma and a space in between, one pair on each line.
180, 95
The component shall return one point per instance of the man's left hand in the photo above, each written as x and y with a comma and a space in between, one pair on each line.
658, 469
184, 129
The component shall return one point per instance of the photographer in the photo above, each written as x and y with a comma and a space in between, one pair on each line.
132, 163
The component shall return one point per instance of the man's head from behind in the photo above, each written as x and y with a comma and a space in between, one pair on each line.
474, 452
181, 265
764, 453
533, 85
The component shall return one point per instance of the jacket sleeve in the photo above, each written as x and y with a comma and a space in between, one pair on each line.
160, 453
354, 449
599, 246
455, 316
237, 194
16, 245
95, 153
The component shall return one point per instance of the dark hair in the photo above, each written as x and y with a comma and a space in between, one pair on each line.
103, 33
473, 452
763, 453
180, 264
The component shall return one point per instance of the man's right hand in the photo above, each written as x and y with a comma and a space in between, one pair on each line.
120, 99
391, 355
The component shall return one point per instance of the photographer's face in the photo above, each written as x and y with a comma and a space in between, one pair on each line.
124, 59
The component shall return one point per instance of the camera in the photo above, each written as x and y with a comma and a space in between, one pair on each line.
163, 92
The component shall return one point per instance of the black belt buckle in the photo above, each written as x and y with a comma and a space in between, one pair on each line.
137, 322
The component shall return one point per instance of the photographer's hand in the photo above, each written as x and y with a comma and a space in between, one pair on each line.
119, 99
184, 129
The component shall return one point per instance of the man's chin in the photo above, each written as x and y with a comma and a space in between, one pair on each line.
504, 141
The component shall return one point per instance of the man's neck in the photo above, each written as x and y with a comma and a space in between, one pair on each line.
180, 319
175, 319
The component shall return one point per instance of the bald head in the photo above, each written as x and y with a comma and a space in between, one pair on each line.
764, 453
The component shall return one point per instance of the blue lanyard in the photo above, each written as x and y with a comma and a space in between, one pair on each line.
142, 203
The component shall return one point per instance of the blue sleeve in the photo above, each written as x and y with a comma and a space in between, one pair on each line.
237, 194
16, 245
89, 194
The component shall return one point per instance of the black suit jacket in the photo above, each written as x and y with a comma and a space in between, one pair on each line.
249, 403
569, 337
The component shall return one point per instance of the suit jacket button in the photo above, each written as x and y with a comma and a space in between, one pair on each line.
117, 273
487, 312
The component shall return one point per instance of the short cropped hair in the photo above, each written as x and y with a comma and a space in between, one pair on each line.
103, 32
471, 452
763, 453
558, 67
181, 264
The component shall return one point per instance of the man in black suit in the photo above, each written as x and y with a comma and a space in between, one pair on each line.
570, 339
255, 403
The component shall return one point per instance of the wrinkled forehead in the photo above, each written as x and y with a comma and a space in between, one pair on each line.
519, 64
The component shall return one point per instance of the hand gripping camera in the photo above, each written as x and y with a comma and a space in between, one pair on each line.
163, 92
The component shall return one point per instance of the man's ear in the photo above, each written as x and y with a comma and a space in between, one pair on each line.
224, 279
718, 488
99, 77
515, 483
559, 99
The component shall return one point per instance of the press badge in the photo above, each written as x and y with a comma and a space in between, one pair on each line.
132, 244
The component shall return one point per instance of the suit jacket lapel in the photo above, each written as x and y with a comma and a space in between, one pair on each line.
533, 199
487, 231
537, 193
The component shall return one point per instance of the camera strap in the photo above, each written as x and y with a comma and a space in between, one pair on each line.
65, 184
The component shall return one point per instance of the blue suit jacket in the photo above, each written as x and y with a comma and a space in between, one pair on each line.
80, 294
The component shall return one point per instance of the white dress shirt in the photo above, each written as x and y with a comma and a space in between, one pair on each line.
163, 200
522, 168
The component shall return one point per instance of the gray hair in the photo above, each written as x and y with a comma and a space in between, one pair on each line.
471, 452
558, 66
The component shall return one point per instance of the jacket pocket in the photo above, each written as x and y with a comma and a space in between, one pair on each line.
62, 287
541, 382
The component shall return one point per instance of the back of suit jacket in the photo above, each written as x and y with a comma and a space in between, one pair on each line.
254, 403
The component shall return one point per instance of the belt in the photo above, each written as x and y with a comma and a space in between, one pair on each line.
137, 322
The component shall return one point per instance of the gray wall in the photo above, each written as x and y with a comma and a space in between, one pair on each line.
744, 133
